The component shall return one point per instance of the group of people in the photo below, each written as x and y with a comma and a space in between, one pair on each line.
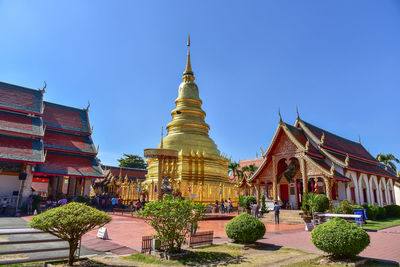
107, 203
225, 207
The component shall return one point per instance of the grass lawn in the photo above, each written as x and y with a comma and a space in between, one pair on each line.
216, 255
315, 263
381, 224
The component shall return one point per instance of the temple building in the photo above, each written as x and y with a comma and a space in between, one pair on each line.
123, 182
200, 171
304, 158
43, 142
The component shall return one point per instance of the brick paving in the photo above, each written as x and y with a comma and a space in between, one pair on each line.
127, 232
126, 236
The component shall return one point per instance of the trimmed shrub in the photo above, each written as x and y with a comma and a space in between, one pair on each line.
245, 201
245, 229
339, 238
381, 213
346, 207
321, 203
70, 222
392, 211
357, 207
372, 211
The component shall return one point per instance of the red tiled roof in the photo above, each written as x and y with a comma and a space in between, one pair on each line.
20, 99
68, 142
20, 149
367, 167
302, 139
335, 142
65, 118
20, 124
64, 164
130, 172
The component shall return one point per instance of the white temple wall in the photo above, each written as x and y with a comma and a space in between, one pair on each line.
397, 193
341, 191
353, 176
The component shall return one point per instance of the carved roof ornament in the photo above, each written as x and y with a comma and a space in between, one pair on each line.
280, 116
346, 161
323, 138
333, 169
297, 111
44, 88
307, 145
162, 137
359, 139
262, 152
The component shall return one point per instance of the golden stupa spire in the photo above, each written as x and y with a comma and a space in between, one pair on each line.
162, 137
188, 73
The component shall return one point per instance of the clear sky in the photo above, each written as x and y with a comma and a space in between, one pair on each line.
339, 61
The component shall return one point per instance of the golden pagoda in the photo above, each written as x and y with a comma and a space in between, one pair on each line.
200, 171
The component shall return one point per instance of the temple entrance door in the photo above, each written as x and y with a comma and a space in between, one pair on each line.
284, 190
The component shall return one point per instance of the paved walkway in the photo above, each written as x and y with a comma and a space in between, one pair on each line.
127, 232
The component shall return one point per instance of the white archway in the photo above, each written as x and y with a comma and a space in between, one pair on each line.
364, 193
374, 190
353, 183
383, 191
390, 191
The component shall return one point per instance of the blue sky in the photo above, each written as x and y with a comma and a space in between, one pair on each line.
338, 61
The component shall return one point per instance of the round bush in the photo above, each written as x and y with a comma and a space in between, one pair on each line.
381, 213
339, 238
321, 203
245, 229
372, 211
392, 211
346, 207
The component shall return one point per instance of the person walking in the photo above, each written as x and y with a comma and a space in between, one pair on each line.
29, 205
4, 204
277, 208
230, 206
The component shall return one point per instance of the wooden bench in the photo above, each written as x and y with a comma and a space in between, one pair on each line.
122, 211
201, 238
146, 243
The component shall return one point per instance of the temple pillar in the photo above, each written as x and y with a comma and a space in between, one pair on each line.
328, 188
258, 193
275, 180
71, 187
26, 189
86, 187
160, 168
304, 175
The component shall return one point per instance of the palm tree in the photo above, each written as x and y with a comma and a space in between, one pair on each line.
233, 169
249, 170
388, 160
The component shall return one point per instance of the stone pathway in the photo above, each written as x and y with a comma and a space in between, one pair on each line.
128, 232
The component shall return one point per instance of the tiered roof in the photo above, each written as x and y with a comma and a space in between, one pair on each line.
122, 172
21, 128
55, 137
71, 151
321, 146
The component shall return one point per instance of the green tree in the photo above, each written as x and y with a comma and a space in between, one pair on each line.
132, 161
172, 219
388, 160
249, 170
70, 223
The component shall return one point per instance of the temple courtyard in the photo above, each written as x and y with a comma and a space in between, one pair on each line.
286, 243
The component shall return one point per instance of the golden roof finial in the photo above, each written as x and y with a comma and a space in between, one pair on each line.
323, 138
297, 111
162, 137
359, 139
188, 73
280, 116
346, 161
307, 146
